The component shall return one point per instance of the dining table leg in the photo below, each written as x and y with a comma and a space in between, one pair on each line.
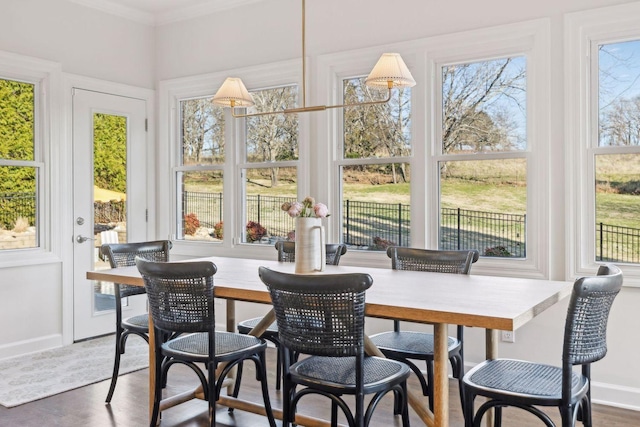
491, 352
441, 377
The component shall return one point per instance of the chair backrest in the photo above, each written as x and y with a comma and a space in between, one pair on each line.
287, 252
585, 335
457, 262
319, 314
124, 255
334, 252
180, 294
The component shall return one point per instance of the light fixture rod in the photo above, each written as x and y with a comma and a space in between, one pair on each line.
304, 57
314, 108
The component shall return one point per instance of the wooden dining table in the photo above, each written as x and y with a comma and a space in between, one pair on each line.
490, 302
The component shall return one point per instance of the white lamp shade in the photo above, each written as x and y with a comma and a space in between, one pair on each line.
233, 90
390, 68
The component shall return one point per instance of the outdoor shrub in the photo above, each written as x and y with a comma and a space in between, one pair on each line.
191, 224
21, 225
255, 231
217, 230
381, 244
500, 251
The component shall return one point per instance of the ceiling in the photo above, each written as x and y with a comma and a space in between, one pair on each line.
160, 12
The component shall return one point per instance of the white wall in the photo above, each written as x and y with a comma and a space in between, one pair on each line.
83, 40
270, 31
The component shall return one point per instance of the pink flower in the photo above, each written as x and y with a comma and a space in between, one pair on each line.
321, 210
308, 208
295, 209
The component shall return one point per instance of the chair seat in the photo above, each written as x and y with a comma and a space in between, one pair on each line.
138, 323
536, 383
246, 326
410, 344
229, 346
339, 374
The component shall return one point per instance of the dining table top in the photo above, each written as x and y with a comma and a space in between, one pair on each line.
491, 302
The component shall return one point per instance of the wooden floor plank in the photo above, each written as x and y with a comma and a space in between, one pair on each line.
85, 407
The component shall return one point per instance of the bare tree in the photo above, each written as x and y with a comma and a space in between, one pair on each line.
273, 137
476, 102
620, 123
381, 130
618, 89
202, 131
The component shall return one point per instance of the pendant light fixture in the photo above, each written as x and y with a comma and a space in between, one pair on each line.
389, 72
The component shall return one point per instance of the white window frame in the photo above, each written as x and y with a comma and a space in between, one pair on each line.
584, 32
46, 78
423, 58
529, 39
244, 165
171, 92
332, 70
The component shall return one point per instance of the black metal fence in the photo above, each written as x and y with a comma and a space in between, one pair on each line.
206, 206
17, 205
493, 234
376, 225
267, 210
366, 225
621, 244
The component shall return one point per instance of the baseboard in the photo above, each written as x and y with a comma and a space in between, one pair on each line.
30, 346
616, 396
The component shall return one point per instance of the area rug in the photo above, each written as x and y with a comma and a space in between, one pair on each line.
38, 375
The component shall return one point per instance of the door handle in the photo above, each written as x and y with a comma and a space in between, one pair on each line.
82, 239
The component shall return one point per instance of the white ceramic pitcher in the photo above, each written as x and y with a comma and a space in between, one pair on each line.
311, 253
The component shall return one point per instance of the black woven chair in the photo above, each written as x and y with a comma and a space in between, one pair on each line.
526, 385
323, 316
407, 345
123, 255
181, 301
286, 253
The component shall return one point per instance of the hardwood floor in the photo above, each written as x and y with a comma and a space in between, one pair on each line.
85, 407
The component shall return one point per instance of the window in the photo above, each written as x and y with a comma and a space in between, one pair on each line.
20, 165
269, 170
375, 168
617, 153
481, 162
200, 174
603, 103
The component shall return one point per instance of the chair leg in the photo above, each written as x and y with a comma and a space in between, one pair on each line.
278, 367
262, 371
213, 397
405, 405
468, 408
458, 372
497, 416
237, 381
334, 414
430, 383
116, 364
157, 395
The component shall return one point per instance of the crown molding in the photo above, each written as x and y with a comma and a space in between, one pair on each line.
116, 9
163, 18
195, 11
